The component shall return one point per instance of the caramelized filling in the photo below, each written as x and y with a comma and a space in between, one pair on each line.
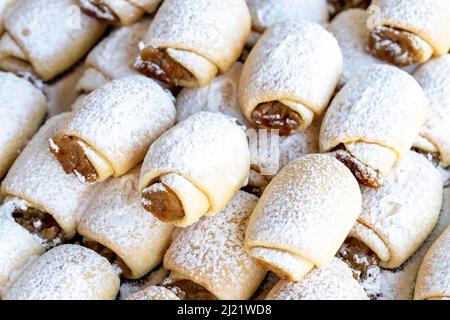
99, 10
395, 46
277, 116
110, 255
158, 64
188, 290
162, 202
365, 175
40, 223
72, 157
338, 6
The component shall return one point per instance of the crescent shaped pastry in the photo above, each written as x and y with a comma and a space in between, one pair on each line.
350, 29
22, 110
211, 254
67, 272
266, 13
113, 57
397, 218
110, 131
4, 6
373, 121
433, 279
118, 12
290, 76
117, 226
409, 32
190, 41
434, 76
195, 168
153, 293
310, 197
51, 201
334, 282
46, 37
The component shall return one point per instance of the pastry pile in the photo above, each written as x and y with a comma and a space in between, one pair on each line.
232, 150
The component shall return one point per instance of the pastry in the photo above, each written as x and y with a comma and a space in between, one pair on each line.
191, 41
208, 259
153, 293
310, 197
373, 121
111, 130
334, 282
433, 279
290, 76
195, 168
337, 6
40, 38
350, 30
405, 32
113, 57
67, 272
434, 76
50, 201
397, 218
122, 12
4, 6
116, 226
22, 110
266, 13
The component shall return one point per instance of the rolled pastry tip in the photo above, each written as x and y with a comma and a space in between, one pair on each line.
373, 121
434, 76
334, 282
178, 51
113, 57
397, 218
290, 76
266, 13
67, 272
111, 129
116, 226
195, 169
51, 200
17, 245
153, 293
405, 34
338, 6
310, 197
433, 279
22, 110
350, 29
68, 37
221, 95
208, 259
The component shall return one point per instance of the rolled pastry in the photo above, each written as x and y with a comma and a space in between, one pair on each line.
116, 226
17, 245
397, 218
350, 30
334, 282
433, 279
434, 77
22, 109
153, 293
290, 76
4, 6
122, 12
266, 13
51, 201
46, 37
409, 32
310, 197
113, 57
195, 169
112, 128
211, 254
190, 41
67, 272
373, 121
